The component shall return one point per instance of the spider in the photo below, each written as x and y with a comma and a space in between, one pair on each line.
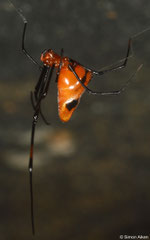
72, 80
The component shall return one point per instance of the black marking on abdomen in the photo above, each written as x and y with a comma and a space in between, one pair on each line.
72, 104
84, 78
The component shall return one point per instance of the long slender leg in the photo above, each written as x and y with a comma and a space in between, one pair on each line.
42, 87
34, 122
122, 65
42, 115
42, 94
48, 82
115, 92
30, 167
40, 82
101, 72
38, 89
19, 11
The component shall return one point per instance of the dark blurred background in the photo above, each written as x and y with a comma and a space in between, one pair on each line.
91, 175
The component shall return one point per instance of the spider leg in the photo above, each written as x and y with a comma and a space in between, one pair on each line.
40, 83
122, 65
34, 122
46, 88
42, 115
37, 110
19, 11
37, 90
23, 42
115, 92
42, 88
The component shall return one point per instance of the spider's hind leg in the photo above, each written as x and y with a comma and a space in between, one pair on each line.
122, 65
115, 92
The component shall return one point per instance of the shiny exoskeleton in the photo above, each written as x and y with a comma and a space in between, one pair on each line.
72, 80
69, 88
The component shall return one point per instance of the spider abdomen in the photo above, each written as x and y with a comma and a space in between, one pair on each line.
70, 90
